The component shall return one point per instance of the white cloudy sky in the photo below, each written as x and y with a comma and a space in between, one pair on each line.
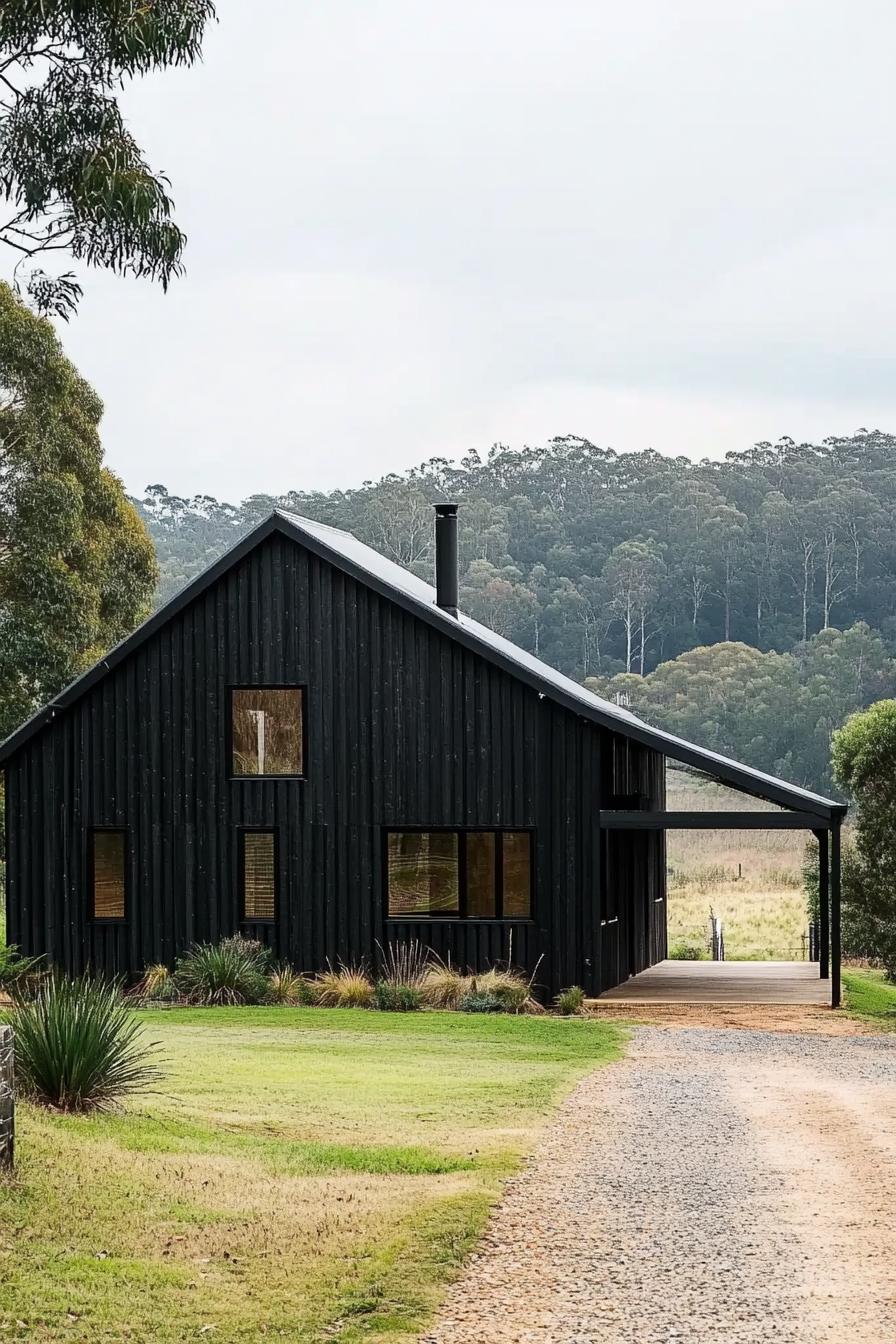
417, 228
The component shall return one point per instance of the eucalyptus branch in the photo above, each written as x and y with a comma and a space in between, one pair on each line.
65, 149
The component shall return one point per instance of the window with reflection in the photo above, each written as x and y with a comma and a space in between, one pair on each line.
108, 874
459, 874
267, 731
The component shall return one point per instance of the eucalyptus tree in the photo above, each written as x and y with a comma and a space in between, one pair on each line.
77, 568
73, 176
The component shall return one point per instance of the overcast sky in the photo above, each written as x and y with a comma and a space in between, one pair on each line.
418, 228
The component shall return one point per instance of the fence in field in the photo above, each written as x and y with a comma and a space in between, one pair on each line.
7, 1099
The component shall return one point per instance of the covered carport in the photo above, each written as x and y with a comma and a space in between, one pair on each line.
797, 809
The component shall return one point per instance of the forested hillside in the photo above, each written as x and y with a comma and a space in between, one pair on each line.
625, 567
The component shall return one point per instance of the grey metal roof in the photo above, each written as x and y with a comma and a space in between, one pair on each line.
393, 581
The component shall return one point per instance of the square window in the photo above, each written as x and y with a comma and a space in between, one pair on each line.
108, 864
259, 877
424, 874
267, 731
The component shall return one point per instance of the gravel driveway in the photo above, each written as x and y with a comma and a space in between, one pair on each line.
735, 1186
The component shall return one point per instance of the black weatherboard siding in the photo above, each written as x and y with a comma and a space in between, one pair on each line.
413, 717
404, 727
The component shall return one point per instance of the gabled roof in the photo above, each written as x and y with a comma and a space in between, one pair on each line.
390, 580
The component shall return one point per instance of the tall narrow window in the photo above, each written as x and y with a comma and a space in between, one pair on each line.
481, 889
108, 865
259, 877
267, 736
516, 874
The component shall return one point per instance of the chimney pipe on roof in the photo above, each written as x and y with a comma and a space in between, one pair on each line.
446, 557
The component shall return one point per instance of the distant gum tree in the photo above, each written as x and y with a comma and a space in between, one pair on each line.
77, 568
74, 178
864, 763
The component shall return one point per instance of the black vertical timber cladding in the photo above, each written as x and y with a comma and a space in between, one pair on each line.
403, 727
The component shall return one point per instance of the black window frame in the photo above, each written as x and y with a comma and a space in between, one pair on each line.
112, 921
462, 917
302, 688
245, 920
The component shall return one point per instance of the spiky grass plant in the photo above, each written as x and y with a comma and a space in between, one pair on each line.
254, 950
226, 973
79, 1046
570, 1002
286, 986
348, 986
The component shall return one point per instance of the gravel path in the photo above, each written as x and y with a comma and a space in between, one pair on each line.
735, 1186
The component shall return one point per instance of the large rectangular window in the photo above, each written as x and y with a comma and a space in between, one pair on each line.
258, 867
267, 731
462, 874
108, 874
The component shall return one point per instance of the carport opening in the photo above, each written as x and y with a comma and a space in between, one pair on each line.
752, 883
762, 804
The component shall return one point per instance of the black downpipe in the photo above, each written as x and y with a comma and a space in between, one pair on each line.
446, 557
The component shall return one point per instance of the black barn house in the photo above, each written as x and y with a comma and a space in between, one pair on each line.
311, 745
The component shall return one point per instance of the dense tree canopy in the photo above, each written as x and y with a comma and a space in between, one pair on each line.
607, 563
773, 710
77, 569
72, 173
864, 758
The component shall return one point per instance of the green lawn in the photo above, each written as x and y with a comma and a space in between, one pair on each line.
869, 996
312, 1174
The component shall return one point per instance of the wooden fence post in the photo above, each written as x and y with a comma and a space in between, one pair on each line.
7, 1099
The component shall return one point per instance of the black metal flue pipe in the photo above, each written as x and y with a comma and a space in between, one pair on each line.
446, 557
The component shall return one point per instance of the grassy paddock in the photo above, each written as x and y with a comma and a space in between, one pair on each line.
308, 1174
751, 879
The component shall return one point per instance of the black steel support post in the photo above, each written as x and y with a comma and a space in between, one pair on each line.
824, 905
835, 914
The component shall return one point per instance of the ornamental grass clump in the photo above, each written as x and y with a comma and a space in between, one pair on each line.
156, 985
347, 986
402, 970
511, 988
443, 986
403, 963
570, 1002
286, 986
79, 1046
231, 972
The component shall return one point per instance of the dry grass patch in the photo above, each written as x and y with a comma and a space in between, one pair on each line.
751, 879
